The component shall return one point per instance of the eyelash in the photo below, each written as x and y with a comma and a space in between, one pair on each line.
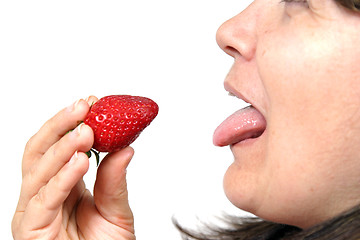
304, 2
294, 1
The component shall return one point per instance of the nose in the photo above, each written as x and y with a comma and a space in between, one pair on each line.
237, 36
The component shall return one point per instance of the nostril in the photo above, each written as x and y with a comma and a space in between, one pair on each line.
231, 51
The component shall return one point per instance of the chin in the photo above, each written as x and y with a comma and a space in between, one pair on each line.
242, 189
246, 180
251, 193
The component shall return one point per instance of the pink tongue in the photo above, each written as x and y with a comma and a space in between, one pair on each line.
243, 124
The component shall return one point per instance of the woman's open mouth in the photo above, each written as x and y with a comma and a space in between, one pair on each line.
244, 124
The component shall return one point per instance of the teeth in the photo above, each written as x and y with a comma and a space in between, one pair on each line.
233, 95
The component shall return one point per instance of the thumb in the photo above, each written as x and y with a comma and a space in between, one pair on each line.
110, 190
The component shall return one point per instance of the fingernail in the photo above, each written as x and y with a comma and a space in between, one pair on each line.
78, 128
90, 102
73, 158
73, 106
87, 99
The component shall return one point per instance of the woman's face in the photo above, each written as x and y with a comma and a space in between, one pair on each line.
298, 64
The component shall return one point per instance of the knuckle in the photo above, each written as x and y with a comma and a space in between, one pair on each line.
31, 173
32, 177
29, 144
40, 197
57, 184
33, 149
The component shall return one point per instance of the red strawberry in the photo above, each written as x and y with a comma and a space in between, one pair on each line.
118, 120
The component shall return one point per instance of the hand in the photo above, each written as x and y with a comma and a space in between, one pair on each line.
54, 203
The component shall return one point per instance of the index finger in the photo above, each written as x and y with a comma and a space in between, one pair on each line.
55, 128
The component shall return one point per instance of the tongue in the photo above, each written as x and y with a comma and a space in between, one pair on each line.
243, 124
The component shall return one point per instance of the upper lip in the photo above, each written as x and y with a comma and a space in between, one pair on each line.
228, 87
232, 91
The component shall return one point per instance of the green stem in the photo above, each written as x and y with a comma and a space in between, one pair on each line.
97, 155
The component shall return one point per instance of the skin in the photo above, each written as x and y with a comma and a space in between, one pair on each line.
54, 203
297, 63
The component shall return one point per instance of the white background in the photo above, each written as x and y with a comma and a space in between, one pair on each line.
54, 52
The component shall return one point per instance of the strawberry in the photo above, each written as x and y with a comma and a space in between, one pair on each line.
117, 120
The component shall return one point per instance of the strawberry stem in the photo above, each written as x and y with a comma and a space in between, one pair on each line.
88, 153
97, 155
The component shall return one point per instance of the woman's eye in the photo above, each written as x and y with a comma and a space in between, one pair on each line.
301, 2
304, 1
295, 1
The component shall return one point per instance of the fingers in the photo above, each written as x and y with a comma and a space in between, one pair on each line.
45, 206
53, 165
53, 130
48, 150
110, 191
81, 139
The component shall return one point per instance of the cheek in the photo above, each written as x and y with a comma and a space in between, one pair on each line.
312, 89
312, 119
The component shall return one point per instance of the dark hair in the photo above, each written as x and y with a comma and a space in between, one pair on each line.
351, 4
344, 227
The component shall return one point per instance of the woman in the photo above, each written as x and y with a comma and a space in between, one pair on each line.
296, 154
